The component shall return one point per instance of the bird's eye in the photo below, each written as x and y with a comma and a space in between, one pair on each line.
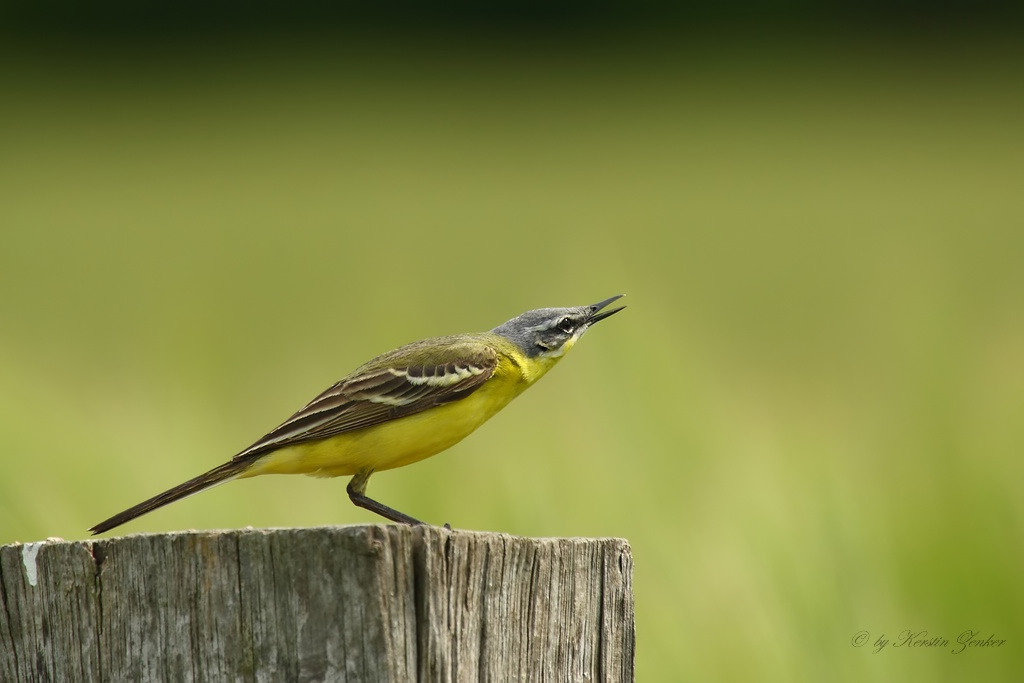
566, 325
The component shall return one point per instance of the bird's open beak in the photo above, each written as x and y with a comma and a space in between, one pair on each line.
595, 316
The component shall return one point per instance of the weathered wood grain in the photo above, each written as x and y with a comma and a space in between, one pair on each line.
361, 603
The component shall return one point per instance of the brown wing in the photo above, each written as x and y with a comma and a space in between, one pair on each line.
377, 394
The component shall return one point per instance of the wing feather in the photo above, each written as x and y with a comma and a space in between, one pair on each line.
380, 392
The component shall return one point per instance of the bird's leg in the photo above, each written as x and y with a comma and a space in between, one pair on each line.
357, 494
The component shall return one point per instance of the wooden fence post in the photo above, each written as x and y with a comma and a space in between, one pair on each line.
357, 603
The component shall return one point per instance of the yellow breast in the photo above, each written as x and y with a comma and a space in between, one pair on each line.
401, 441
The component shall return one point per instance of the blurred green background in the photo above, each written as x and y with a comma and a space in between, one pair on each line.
808, 422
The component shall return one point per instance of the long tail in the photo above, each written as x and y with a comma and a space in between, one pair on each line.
204, 481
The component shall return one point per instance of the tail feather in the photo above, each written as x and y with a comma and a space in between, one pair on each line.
204, 481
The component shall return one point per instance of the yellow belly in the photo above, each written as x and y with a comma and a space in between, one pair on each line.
396, 443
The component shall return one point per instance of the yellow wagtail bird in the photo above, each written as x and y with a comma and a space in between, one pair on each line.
401, 407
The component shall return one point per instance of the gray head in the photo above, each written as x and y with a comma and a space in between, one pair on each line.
551, 332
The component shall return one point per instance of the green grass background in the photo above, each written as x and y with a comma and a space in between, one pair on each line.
809, 421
